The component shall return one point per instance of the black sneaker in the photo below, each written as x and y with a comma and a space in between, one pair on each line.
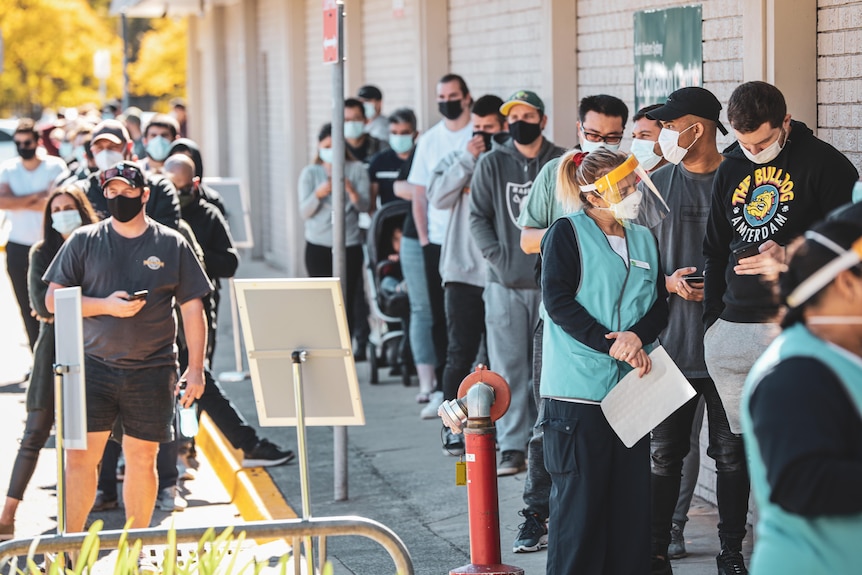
532, 533
267, 454
453, 443
511, 462
730, 563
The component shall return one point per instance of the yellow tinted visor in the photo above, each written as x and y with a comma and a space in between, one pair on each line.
607, 187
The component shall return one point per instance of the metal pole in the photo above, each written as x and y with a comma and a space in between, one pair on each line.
297, 357
339, 263
125, 61
58, 432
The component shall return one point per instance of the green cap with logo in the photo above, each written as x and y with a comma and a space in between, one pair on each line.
525, 97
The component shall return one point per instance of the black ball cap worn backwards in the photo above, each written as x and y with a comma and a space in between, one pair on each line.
128, 172
692, 100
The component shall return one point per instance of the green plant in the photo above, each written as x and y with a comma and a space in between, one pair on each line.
213, 555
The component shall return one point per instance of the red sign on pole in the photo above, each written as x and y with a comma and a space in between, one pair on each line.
330, 31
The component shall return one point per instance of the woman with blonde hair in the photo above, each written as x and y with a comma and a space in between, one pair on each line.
603, 289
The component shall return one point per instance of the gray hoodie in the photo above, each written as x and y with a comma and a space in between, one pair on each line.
501, 182
449, 189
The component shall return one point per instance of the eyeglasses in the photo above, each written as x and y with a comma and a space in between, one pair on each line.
25, 144
609, 139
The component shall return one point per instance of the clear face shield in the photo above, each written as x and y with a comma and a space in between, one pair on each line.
631, 194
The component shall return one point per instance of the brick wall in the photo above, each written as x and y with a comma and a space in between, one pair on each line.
839, 76
273, 139
496, 45
606, 38
319, 76
390, 52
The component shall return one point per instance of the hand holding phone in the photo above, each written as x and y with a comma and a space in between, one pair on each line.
140, 294
694, 280
746, 252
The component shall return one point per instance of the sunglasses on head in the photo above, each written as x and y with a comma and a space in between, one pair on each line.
130, 173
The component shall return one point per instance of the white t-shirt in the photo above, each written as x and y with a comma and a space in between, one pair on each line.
27, 224
433, 146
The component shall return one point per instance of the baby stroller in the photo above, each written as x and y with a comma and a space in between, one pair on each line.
389, 300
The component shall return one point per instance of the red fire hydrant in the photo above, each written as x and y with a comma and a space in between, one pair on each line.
483, 398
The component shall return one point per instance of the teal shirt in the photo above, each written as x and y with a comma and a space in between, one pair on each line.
787, 542
616, 295
541, 208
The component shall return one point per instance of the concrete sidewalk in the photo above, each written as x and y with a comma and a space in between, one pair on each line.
399, 476
397, 472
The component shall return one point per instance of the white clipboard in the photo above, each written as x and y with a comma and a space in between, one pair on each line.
638, 404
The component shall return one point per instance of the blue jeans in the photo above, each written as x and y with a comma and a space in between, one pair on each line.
421, 321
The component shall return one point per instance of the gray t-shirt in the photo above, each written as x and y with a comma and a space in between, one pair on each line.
680, 240
101, 261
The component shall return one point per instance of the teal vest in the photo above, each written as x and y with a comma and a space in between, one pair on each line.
615, 295
786, 542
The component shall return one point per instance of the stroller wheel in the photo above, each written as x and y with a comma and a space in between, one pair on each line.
374, 376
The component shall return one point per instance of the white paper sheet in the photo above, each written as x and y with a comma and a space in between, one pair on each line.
637, 404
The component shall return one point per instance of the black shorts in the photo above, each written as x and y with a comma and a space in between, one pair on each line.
143, 398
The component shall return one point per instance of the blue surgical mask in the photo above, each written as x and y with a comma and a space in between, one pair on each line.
158, 148
370, 109
325, 155
401, 143
857, 192
353, 129
66, 222
81, 155
644, 151
66, 150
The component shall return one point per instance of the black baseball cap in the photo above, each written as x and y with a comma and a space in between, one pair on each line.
111, 130
125, 171
692, 100
369, 93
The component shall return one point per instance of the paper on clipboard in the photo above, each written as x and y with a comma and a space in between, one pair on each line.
637, 404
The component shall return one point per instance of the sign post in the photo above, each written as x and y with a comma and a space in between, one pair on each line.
102, 71
668, 52
333, 52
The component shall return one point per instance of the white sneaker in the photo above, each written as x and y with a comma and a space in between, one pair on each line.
169, 500
434, 402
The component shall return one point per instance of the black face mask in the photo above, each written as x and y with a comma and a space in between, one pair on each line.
124, 209
486, 137
450, 109
525, 133
26, 153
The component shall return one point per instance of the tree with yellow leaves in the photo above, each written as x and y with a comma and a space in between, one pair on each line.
160, 69
48, 55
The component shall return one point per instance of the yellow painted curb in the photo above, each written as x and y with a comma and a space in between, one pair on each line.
252, 491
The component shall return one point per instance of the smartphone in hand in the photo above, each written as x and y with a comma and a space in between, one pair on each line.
694, 280
140, 294
746, 252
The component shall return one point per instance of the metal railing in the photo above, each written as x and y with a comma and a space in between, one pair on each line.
294, 530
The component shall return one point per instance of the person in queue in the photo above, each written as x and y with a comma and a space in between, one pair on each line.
66, 210
604, 291
802, 412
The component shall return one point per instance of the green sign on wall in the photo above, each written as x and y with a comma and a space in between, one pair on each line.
668, 48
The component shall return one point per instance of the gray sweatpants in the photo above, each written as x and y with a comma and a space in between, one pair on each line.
730, 349
510, 319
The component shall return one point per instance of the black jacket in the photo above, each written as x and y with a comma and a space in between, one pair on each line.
753, 203
213, 235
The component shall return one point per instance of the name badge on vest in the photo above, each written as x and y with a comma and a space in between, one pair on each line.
640, 264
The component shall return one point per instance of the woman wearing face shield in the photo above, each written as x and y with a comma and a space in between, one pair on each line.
802, 413
604, 292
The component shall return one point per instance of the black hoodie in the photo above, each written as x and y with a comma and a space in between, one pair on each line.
753, 203
185, 145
